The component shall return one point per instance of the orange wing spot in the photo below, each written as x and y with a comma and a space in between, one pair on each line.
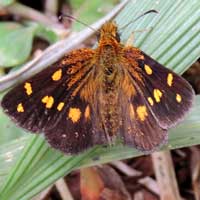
150, 100
157, 95
60, 106
28, 88
74, 114
178, 98
48, 100
142, 112
148, 69
170, 79
87, 113
20, 108
132, 112
57, 75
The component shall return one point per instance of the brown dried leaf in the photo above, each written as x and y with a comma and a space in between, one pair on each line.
102, 183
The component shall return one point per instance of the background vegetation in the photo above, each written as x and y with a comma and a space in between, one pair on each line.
27, 164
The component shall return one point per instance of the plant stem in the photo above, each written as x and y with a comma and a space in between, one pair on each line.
29, 13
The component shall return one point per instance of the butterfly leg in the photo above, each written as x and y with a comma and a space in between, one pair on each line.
131, 38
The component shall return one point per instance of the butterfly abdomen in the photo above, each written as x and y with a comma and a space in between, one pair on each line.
109, 113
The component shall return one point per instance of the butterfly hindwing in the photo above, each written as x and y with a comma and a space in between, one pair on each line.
73, 130
140, 128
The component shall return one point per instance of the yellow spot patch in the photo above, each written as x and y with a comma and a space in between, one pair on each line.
57, 75
157, 95
60, 106
142, 112
132, 112
74, 114
20, 108
28, 88
48, 100
45, 99
170, 79
150, 100
148, 69
178, 98
87, 112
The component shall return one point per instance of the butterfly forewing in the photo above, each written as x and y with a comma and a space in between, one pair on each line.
40, 102
167, 95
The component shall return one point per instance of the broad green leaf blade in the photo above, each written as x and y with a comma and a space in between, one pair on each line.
15, 46
16, 41
9, 153
7, 27
46, 33
42, 31
8, 130
39, 166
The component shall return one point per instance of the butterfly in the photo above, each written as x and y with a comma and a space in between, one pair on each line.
114, 93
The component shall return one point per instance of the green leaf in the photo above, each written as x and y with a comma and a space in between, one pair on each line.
15, 45
8, 130
47, 34
7, 27
44, 32
6, 2
89, 11
175, 42
16, 52
9, 153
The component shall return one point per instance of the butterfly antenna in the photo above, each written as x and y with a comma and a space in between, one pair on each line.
75, 19
148, 12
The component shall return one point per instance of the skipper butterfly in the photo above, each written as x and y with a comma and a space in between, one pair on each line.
99, 96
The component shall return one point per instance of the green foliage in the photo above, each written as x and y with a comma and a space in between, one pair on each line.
15, 46
16, 41
89, 11
46, 34
174, 41
8, 130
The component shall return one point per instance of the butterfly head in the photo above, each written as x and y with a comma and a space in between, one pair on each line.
109, 34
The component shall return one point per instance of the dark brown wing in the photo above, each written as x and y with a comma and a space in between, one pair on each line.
75, 131
168, 95
160, 98
26, 105
140, 129
50, 103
